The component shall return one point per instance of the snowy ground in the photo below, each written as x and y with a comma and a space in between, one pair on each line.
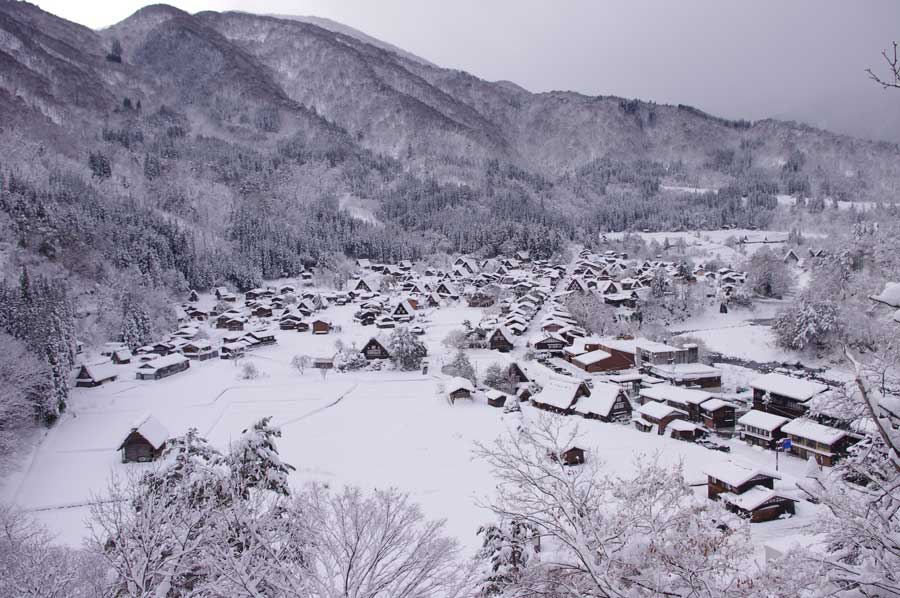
373, 429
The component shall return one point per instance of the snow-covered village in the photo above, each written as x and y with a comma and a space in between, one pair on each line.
260, 347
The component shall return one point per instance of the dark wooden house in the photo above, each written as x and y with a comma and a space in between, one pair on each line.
375, 349
501, 340
718, 414
495, 398
145, 441
321, 327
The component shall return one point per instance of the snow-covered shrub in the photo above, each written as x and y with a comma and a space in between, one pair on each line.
249, 371
349, 359
460, 366
456, 339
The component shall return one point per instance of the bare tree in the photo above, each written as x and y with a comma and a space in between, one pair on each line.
32, 567
892, 80
300, 363
374, 546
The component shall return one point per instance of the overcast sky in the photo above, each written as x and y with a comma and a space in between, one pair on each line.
801, 59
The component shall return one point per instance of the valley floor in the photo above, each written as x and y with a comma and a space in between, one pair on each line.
373, 429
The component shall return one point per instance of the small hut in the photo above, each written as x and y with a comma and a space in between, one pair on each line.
495, 398
572, 456
90, 376
145, 441
459, 388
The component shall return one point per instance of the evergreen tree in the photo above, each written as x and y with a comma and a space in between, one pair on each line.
506, 549
255, 462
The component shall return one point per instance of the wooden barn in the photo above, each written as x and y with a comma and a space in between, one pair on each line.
145, 441
96, 374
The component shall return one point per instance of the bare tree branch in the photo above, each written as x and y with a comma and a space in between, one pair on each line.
893, 79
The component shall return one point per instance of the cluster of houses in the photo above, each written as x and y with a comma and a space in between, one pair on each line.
621, 283
781, 406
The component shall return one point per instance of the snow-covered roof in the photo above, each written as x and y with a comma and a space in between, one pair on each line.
658, 410
504, 332
681, 425
493, 393
735, 475
685, 371
458, 383
150, 428
762, 420
623, 345
557, 392
676, 394
654, 347
753, 498
890, 295
715, 405
621, 378
165, 360
794, 388
100, 371
593, 357
601, 400
806, 428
